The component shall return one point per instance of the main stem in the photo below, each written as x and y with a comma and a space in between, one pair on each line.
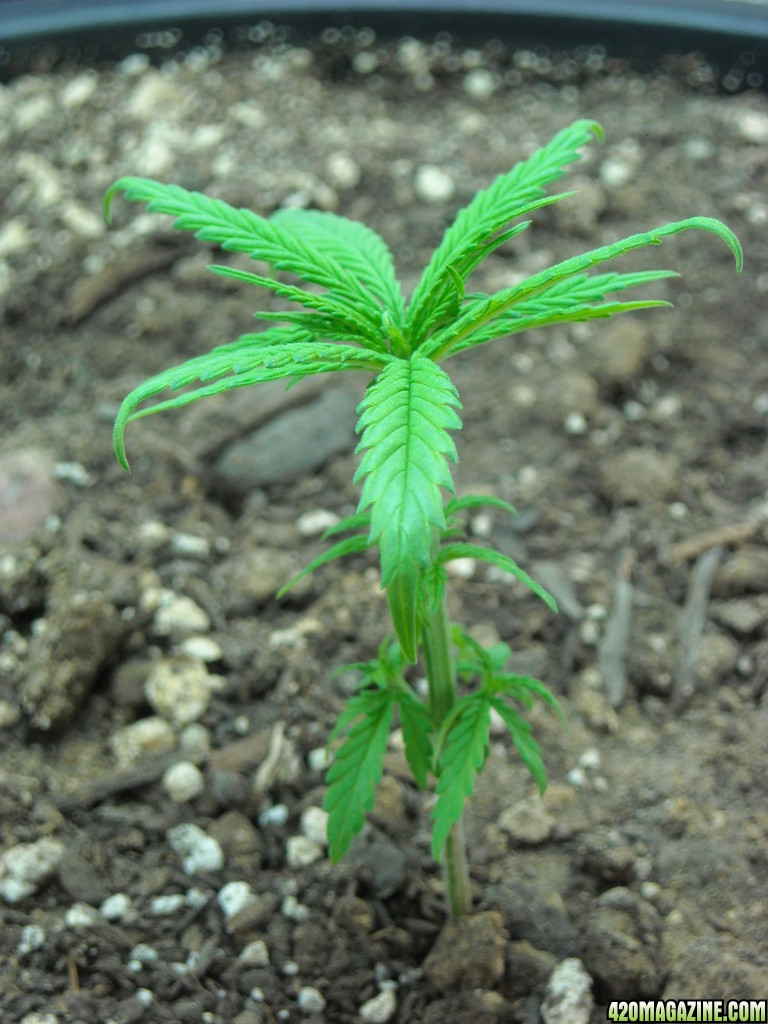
441, 677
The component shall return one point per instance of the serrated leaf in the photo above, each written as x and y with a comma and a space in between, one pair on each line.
471, 501
349, 546
354, 522
285, 247
355, 247
475, 319
404, 419
519, 686
504, 562
280, 353
469, 238
356, 769
338, 315
463, 754
522, 737
417, 734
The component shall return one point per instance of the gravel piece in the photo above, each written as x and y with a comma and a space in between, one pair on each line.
183, 781
24, 868
569, 995
199, 852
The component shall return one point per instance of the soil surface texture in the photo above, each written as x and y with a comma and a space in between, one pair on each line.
163, 716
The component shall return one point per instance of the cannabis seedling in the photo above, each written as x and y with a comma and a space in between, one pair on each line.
359, 320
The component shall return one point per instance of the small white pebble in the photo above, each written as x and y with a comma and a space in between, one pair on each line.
589, 633
275, 815
180, 614
80, 915
614, 173
461, 568
147, 737
116, 907
433, 185
201, 647
10, 713
300, 852
165, 905
314, 825
380, 1008
198, 851
480, 83
590, 759
32, 938
183, 781
293, 910
319, 759
235, 897
73, 473
577, 777
575, 423
190, 545
310, 1000
145, 996
23, 868
315, 522
290, 968
195, 739
481, 524
255, 954
196, 897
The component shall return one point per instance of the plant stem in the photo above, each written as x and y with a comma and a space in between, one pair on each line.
441, 677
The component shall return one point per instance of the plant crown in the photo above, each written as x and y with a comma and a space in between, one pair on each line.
360, 320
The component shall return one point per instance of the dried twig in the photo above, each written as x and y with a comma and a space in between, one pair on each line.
612, 651
691, 625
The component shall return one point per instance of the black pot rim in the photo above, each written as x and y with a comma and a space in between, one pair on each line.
722, 30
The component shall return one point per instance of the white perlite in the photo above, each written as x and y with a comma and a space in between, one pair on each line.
25, 867
380, 1008
432, 184
569, 994
179, 689
179, 614
234, 897
310, 1000
147, 737
198, 851
314, 825
300, 852
183, 781
255, 954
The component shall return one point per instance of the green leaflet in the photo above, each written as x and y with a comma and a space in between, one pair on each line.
484, 310
463, 754
357, 768
283, 352
451, 551
511, 195
353, 545
522, 736
404, 419
355, 247
285, 246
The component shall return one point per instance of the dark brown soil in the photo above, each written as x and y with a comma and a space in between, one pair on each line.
635, 451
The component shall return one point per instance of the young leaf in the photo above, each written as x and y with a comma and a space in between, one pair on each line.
522, 737
285, 247
470, 236
481, 312
404, 419
450, 551
470, 501
349, 546
357, 768
356, 248
463, 754
339, 317
271, 355
417, 733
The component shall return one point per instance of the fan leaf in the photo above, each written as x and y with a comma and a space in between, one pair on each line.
404, 420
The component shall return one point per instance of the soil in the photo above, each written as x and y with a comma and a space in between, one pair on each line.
141, 631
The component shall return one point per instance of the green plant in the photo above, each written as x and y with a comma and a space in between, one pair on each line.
358, 319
